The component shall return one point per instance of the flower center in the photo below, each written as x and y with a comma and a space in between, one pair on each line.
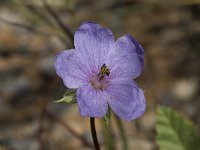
99, 81
104, 71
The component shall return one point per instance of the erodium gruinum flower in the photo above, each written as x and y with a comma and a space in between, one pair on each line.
103, 70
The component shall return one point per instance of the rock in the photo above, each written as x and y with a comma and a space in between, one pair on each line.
185, 89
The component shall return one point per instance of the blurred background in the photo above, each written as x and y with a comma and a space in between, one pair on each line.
33, 32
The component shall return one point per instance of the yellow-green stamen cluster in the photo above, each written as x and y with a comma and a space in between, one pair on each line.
104, 71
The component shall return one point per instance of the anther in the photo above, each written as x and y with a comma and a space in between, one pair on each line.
104, 71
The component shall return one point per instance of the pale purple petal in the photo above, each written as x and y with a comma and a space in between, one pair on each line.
126, 99
93, 42
92, 103
98, 87
127, 60
71, 69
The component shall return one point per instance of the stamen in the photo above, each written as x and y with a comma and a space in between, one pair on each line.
104, 71
98, 81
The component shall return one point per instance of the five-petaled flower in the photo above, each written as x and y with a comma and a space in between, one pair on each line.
103, 70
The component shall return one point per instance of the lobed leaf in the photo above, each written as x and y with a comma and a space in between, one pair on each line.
174, 132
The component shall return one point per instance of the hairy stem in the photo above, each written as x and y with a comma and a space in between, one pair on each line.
122, 133
108, 137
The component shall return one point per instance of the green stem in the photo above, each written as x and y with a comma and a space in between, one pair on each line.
122, 133
107, 131
94, 135
108, 136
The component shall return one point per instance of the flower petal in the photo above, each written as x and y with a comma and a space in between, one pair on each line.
93, 42
126, 100
70, 68
127, 60
92, 103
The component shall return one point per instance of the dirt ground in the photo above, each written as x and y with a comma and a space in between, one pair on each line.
31, 34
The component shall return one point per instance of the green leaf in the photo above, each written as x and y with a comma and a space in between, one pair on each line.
106, 119
69, 97
174, 132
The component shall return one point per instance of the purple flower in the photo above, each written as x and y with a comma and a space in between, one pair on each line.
102, 69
